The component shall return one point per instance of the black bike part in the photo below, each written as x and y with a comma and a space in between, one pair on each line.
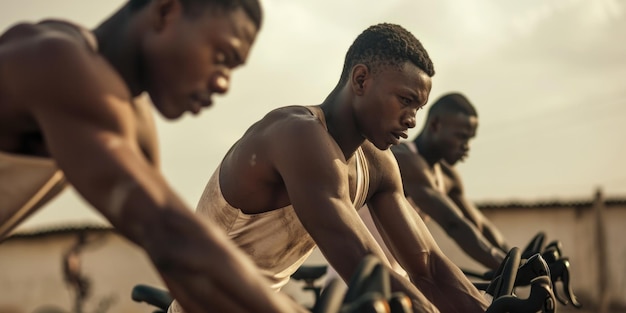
331, 298
400, 303
560, 272
503, 284
370, 276
541, 298
534, 267
309, 272
534, 246
370, 302
153, 296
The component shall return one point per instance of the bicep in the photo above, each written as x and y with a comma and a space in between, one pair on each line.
315, 176
94, 154
86, 119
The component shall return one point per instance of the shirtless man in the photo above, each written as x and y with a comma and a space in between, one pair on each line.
431, 182
69, 111
296, 178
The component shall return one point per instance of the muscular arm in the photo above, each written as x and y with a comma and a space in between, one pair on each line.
441, 209
84, 110
315, 174
408, 238
477, 218
445, 212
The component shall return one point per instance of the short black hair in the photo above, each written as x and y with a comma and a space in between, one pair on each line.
251, 7
386, 44
452, 103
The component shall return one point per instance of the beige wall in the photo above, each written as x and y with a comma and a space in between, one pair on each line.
576, 229
30, 268
31, 275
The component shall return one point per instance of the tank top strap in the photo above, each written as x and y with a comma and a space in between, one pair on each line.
362, 179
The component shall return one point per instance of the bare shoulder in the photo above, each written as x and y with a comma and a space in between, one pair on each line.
281, 135
288, 117
57, 62
286, 124
412, 166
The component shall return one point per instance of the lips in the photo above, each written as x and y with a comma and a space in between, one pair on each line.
396, 135
400, 134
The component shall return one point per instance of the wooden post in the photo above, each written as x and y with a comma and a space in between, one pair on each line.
602, 253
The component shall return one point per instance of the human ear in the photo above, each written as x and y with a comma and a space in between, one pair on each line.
434, 123
165, 12
358, 78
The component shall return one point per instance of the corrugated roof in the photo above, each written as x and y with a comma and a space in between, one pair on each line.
546, 204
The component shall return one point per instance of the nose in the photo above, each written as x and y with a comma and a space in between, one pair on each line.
409, 120
221, 82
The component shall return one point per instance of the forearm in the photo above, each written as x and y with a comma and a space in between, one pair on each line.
198, 263
420, 303
448, 288
470, 240
496, 238
205, 272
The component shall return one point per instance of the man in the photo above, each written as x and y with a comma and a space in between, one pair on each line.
69, 110
431, 182
296, 177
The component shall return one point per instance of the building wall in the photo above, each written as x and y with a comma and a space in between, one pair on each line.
31, 276
31, 273
576, 229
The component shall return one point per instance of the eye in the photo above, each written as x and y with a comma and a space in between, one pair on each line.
220, 58
406, 101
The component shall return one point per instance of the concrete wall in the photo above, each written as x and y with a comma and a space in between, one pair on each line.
31, 273
577, 229
31, 276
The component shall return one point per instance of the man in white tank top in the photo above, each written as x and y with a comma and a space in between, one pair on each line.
71, 110
297, 177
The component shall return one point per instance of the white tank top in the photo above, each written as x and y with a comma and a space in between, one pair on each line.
276, 240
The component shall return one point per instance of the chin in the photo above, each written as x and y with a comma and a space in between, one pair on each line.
384, 146
170, 113
452, 161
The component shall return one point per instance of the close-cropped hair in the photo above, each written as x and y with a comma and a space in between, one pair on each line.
251, 7
386, 44
452, 103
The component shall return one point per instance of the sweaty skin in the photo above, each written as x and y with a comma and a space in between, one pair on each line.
75, 97
298, 162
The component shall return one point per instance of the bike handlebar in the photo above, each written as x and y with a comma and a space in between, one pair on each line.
151, 295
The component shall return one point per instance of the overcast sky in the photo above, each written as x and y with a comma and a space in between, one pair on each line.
546, 76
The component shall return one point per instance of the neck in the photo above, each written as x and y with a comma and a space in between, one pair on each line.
340, 120
427, 149
116, 45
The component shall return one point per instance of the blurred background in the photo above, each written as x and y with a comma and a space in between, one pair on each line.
547, 79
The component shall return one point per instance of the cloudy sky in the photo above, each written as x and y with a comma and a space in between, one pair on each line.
547, 77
